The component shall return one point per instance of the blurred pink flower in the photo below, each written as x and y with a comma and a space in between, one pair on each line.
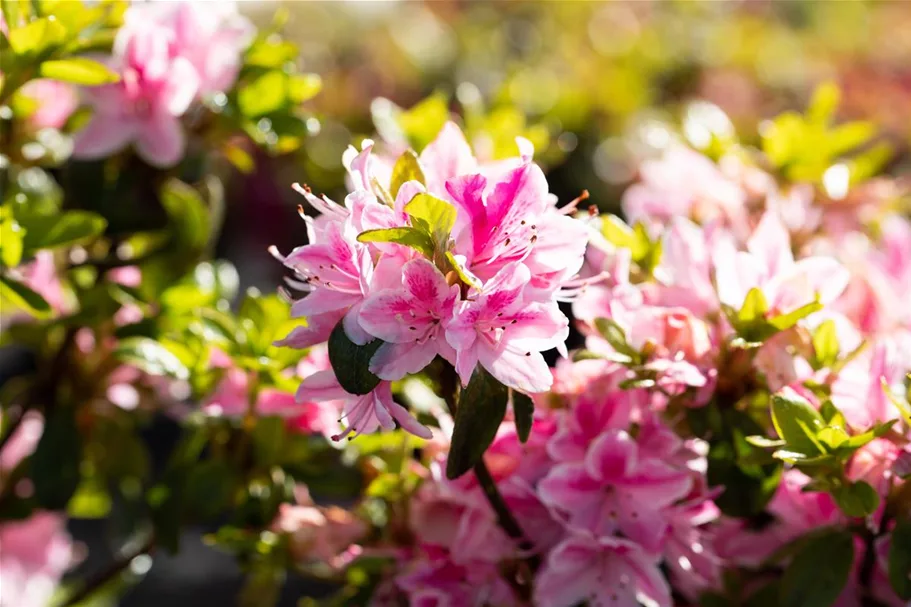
56, 102
36, 552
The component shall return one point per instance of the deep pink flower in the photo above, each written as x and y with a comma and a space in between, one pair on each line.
412, 320
602, 571
506, 333
144, 108
362, 413
615, 489
438, 582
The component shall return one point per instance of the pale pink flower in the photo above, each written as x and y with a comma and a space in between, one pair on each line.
769, 265
683, 183
873, 463
799, 511
322, 534
22, 443
614, 489
362, 413
56, 102
144, 108
211, 36
684, 273
506, 334
411, 320
35, 554
693, 563
602, 571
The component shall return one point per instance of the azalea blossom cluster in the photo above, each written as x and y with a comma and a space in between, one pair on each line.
168, 55
731, 291
437, 255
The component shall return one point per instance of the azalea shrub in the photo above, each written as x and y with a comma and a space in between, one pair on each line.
467, 392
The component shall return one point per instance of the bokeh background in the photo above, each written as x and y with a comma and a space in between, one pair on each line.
592, 84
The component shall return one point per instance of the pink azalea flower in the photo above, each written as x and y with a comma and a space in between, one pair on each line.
144, 108
693, 563
438, 582
36, 552
505, 333
412, 320
769, 265
22, 443
446, 157
599, 409
211, 37
337, 271
685, 269
602, 571
56, 102
683, 183
615, 489
799, 511
363, 413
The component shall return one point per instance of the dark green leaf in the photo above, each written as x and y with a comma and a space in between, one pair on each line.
482, 405
210, 487
856, 499
614, 334
796, 422
351, 361
78, 70
23, 297
55, 463
819, 571
900, 559
407, 168
51, 231
410, 237
268, 440
523, 407
188, 213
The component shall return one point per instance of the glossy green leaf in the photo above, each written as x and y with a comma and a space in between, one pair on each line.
785, 321
351, 361
433, 216
819, 571
78, 70
151, 356
36, 37
795, 420
856, 499
616, 337
407, 168
52, 231
825, 344
267, 93
410, 237
523, 408
900, 559
303, 87
482, 406
23, 297
754, 307
55, 462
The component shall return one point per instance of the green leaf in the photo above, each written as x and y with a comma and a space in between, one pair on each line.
794, 418
824, 102
210, 487
616, 337
617, 232
52, 231
825, 344
410, 237
267, 93
270, 53
407, 168
23, 297
754, 307
904, 408
11, 236
900, 559
423, 121
351, 361
91, 500
482, 405
55, 463
856, 499
151, 356
465, 275
646, 253
523, 407
433, 216
303, 87
783, 322
189, 214
819, 571
78, 70
36, 37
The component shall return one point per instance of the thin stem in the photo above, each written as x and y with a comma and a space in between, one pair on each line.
104, 576
505, 518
